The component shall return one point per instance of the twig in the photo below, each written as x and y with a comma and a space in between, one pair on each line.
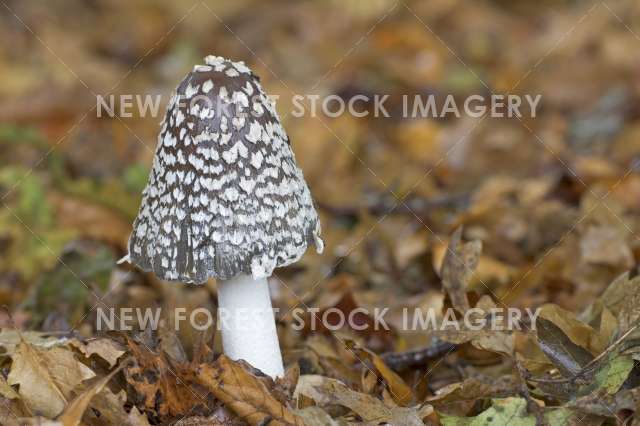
532, 406
401, 361
415, 205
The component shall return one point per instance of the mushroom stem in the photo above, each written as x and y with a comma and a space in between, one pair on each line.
247, 323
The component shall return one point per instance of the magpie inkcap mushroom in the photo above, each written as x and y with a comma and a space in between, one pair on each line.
225, 198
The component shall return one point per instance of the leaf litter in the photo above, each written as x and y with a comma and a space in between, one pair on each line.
544, 215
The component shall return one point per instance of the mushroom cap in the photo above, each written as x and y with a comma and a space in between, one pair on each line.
224, 195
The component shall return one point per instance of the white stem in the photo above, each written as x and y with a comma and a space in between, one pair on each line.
248, 324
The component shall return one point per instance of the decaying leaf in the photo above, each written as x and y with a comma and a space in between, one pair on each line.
111, 410
159, 385
473, 389
289, 381
497, 338
106, 349
346, 306
326, 391
622, 298
399, 390
245, 394
578, 332
601, 403
316, 416
606, 245
222, 417
10, 338
613, 374
7, 391
72, 414
568, 357
509, 412
46, 377
457, 267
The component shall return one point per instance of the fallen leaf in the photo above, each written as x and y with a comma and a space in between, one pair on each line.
72, 414
622, 298
6, 390
601, 403
473, 389
316, 416
508, 412
160, 387
400, 391
222, 417
568, 357
457, 267
10, 338
245, 394
614, 373
326, 391
106, 349
111, 409
46, 377
578, 332
605, 245
288, 383
346, 307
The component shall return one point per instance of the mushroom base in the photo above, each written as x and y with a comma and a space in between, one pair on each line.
247, 323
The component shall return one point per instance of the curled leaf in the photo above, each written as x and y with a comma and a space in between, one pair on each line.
457, 268
245, 394
73, 413
46, 377
565, 355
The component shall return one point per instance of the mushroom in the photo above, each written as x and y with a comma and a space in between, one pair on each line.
226, 200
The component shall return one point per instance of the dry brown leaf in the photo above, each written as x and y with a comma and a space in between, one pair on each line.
401, 393
106, 349
326, 391
46, 377
345, 305
72, 414
457, 267
159, 385
245, 394
411, 247
580, 333
10, 338
32, 421
6, 390
316, 416
112, 411
606, 245
11, 408
623, 300
495, 341
288, 383
219, 418
474, 388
